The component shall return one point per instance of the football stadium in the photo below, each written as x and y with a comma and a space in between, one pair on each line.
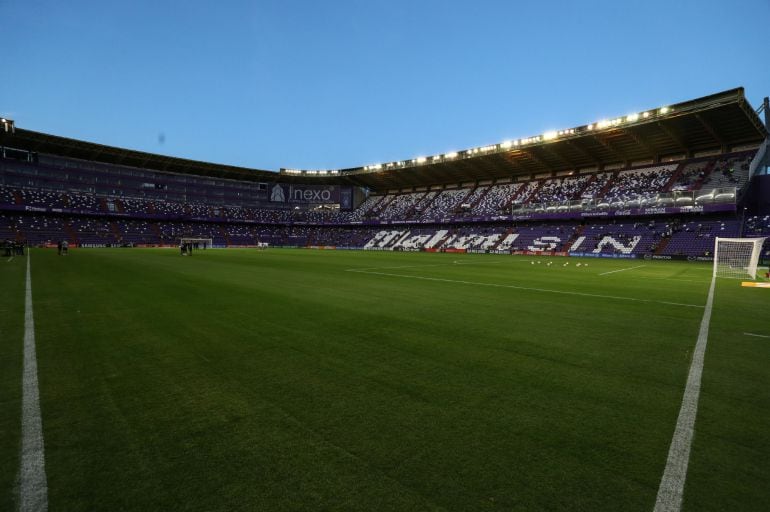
460, 331
573, 319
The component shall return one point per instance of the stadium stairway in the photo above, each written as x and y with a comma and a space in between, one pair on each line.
71, 233
480, 198
607, 186
225, 235
674, 177
419, 206
515, 196
115, 229
660, 248
533, 192
156, 230
571, 240
500, 240
17, 198
381, 205
582, 189
457, 207
706, 173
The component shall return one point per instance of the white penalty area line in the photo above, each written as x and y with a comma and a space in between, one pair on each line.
525, 288
756, 335
621, 270
33, 491
671, 488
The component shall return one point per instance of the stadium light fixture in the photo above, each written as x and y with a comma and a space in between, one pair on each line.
632, 118
506, 145
549, 135
645, 115
665, 110
450, 156
421, 160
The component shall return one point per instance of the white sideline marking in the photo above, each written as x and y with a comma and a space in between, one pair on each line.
33, 487
757, 335
620, 270
671, 488
514, 287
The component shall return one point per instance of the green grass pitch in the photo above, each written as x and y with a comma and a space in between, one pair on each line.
281, 380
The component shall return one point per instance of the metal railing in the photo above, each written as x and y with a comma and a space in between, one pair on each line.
658, 200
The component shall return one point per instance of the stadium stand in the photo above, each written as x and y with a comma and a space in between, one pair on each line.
523, 201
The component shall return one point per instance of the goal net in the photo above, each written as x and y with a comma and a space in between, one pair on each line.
737, 257
197, 243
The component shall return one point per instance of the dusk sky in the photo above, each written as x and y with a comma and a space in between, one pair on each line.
335, 84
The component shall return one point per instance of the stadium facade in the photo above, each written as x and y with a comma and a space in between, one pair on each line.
660, 183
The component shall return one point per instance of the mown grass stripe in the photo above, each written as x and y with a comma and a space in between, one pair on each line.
526, 288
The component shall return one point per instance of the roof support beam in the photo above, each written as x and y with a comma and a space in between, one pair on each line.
612, 149
586, 153
511, 157
671, 135
647, 147
539, 161
551, 150
712, 131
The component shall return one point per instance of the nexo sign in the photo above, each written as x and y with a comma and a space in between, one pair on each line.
310, 195
304, 194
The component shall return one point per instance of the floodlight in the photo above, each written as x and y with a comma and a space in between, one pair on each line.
665, 110
550, 135
451, 155
632, 118
421, 160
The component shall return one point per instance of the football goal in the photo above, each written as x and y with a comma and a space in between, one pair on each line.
737, 257
198, 243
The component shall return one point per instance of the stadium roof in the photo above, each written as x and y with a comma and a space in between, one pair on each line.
720, 121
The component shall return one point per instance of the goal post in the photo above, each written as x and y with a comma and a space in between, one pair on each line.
200, 243
737, 257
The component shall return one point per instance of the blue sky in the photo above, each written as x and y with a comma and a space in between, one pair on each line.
317, 85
